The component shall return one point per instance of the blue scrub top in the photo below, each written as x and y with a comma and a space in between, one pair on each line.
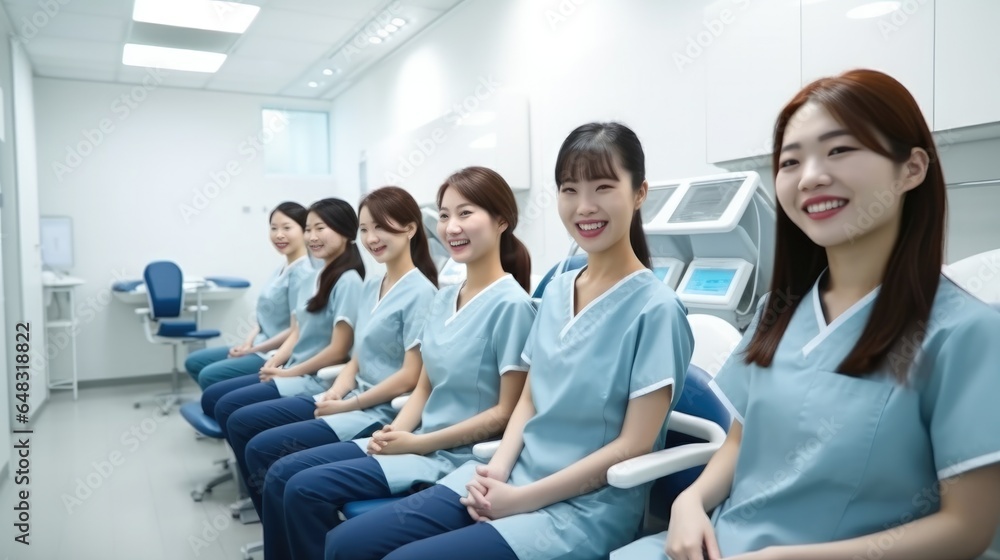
827, 457
316, 329
465, 353
387, 328
281, 295
628, 342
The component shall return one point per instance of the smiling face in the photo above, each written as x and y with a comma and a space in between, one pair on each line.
286, 235
598, 212
323, 242
469, 231
833, 187
383, 245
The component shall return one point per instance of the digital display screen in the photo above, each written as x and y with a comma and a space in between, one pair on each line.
706, 202
710, 281
661, 272
655, 200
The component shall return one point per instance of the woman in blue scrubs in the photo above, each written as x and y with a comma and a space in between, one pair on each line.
386, 359
322, 330
278, 298
864, 394
607, 354
473, 374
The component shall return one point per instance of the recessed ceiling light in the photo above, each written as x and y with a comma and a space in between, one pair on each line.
374, 40
873, 10
327, 72
211, 15
391, 28
382, 33
313, 84
398, 22
171, 59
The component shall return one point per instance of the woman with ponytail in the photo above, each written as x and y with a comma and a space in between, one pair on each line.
386, 360
322, 328
608, 353
472, 376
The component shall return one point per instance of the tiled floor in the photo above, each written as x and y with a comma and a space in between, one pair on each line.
109, 481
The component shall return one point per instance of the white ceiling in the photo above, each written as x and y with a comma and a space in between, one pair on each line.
287, 46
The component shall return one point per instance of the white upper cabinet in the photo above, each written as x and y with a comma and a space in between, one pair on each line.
966, 63
839, 35
752, 68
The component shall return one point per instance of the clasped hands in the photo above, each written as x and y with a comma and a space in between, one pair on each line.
491, 497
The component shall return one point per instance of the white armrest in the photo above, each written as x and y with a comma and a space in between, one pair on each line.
196, 308
329, 372
142, 311
398, 402
649, 467
485, 450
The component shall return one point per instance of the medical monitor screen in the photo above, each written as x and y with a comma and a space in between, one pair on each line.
710, 281
56, 236
661, 272
706, 202
655, 200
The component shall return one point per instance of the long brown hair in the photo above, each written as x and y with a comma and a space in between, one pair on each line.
868, 104
395, 204
340, 217
588, 154
488, 190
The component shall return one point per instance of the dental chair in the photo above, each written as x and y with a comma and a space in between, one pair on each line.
163, 323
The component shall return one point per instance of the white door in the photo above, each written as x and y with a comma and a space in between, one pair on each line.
29, 243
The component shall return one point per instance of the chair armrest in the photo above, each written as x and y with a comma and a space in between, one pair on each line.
196, 308
142, 311
485, 450
651, 466
330, 372
399, 402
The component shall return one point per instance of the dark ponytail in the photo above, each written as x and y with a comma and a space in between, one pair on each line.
488, 190
340, 217
395, 204
589, 153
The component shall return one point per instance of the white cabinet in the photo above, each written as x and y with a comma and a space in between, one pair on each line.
966, 63
751, 51
837, 37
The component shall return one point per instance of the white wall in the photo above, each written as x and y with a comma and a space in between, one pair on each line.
147, 188
8, 248
579, 61
576, 63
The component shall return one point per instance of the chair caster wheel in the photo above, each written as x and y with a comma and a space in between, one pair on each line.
197, 496
135, 405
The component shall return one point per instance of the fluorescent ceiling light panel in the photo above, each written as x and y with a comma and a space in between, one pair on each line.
211, 15
171, 59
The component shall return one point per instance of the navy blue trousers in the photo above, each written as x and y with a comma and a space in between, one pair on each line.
304, 492
211, 396
428, 524
263, 432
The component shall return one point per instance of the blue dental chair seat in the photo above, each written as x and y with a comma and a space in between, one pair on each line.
187, 329
206, 425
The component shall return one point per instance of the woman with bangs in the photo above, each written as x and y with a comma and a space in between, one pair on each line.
864, 392
385, 363
607, 355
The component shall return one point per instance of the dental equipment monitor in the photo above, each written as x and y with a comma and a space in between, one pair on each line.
715, 283
668, 270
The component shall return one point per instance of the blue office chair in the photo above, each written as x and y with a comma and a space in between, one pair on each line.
163, 323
